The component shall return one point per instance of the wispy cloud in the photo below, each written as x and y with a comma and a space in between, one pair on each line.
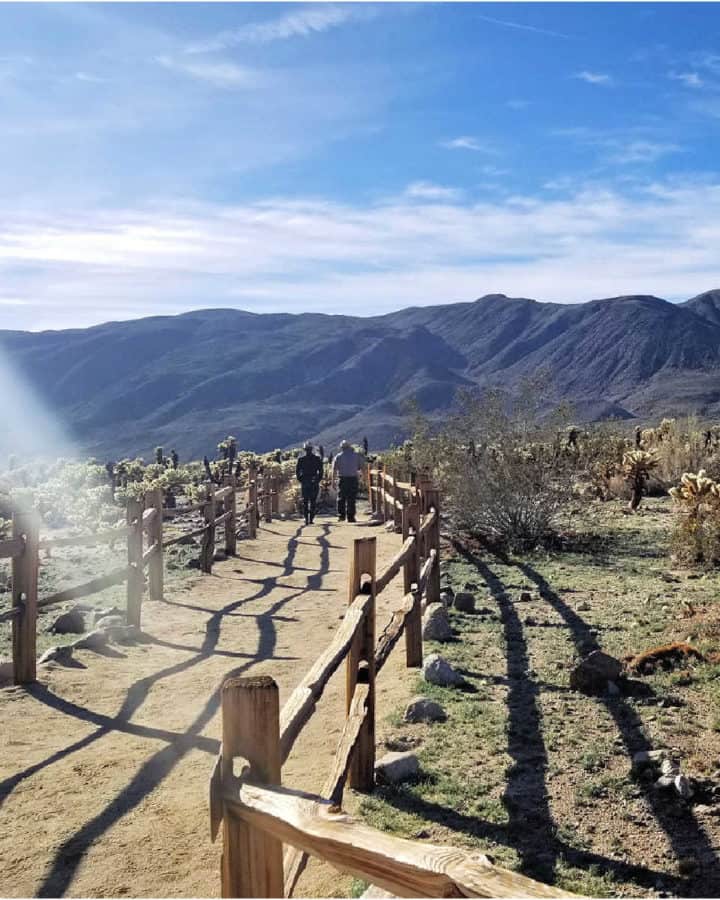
689, 79
298, 254
641, 151
594, 77
220, 74
522, 27
468, 143
426, 190
302, 23
517, 104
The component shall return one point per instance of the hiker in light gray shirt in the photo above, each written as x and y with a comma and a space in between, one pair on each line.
346, 468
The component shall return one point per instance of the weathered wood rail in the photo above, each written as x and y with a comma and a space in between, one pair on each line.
146, 543
258, 816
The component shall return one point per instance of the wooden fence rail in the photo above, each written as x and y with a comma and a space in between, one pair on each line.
146, 543
258, 816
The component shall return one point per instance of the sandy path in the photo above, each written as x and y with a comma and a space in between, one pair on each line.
104, 767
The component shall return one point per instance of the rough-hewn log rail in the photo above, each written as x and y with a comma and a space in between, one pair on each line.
117, 576
301, 703
425, 571
86, 540
403, 867
296, 860
392, 631
11, 613
169, 512
151, 551
13, 547
395, 565
427, 521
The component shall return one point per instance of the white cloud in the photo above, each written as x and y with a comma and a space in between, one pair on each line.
309, 254
594, 77
301, 23
689, 79
641, 151
425, 190
220, 74
468, 143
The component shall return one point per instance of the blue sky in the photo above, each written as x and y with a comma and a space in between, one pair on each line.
353, 158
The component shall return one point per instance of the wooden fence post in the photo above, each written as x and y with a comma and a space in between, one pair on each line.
135, 579
266, 498
382, 493
411, 572
275, 494
156, 579
397, 513
24, 595
371, 492
361, 663
207, 548
252, 862
252, 509
432, 496
231, 521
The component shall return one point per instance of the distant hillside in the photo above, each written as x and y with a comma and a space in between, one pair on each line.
273, 380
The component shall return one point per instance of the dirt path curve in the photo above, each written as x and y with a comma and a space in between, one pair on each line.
104, 766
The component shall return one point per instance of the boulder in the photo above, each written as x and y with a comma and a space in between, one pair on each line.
61, 654
435, 623
110, 622
122, 634
465, 602
71, 622
592, 674
219, 556
112, 611
396, 767
437, 670
421, 709
644, 759
446, 598
94, 640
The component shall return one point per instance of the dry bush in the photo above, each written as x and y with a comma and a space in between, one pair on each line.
502, 473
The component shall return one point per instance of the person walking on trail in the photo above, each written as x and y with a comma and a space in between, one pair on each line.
346, 468
309, 473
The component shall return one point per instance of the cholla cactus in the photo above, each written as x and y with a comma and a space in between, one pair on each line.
636, 467
695, 490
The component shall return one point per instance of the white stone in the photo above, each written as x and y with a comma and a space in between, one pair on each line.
437, 670
396, 767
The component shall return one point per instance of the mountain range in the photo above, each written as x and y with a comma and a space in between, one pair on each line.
273, 380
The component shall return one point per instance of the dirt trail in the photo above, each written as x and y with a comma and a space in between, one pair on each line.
104, 766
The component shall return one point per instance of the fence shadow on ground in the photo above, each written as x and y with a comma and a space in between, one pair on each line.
160, 764
526, 797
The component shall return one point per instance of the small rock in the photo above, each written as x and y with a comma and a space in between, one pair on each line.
591, 675
669, 767
446, 598
644, 759
57, 654
665, 782
122, 634
437, 670
71, 622
390, 526
396, 767
421, 709
529, 621
583, 606
112, 611
524, 597
110, 622
94, 640
436, 626
684, 787
465, 602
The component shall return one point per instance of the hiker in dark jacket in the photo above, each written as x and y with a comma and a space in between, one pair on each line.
309, 473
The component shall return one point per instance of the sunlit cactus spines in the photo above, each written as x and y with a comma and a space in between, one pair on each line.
636, 467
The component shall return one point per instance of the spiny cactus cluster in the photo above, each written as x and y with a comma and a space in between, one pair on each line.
695, 489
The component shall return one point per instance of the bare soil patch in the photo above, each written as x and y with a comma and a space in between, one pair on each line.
104, 765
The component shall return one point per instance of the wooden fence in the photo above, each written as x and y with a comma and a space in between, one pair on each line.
259, 816
146, 543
